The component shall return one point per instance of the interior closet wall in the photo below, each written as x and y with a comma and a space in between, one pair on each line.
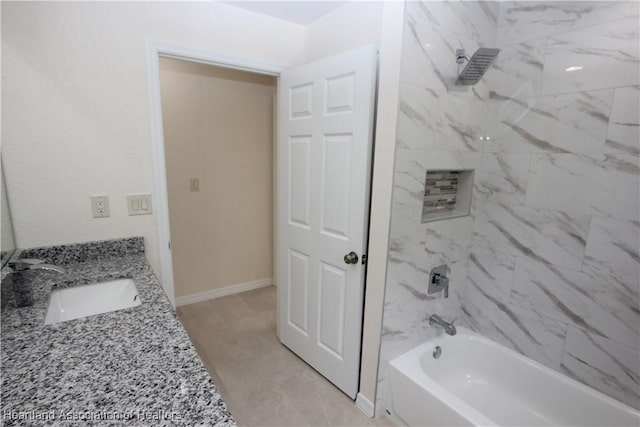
218, 129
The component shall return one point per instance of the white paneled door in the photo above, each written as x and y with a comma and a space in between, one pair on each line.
324, 160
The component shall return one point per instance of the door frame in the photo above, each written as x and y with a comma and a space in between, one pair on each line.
155, 50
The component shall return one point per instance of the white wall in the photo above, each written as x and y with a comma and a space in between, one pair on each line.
75, 113
355, 24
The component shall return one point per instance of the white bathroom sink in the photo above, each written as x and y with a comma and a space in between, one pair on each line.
88, 300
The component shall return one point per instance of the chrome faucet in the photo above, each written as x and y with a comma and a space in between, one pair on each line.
22, 289
24, 264
438, 280
448, 326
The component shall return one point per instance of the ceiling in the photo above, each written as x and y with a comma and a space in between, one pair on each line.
297, 11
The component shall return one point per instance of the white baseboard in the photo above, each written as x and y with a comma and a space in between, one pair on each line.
365, 405
223, 292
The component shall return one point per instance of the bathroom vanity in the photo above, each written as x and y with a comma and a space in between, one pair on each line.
134, 366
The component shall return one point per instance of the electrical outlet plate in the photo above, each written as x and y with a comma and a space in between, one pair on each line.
100, 206
139, 204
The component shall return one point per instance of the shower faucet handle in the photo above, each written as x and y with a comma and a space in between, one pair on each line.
438, 280
442, 282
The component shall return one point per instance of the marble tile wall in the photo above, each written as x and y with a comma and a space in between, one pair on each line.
555, 260
439, 127
548, 262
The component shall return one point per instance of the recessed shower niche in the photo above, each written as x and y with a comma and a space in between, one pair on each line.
447, 194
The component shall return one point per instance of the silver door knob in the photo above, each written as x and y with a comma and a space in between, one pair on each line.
351, 258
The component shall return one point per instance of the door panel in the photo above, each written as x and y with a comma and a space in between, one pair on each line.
333, 285
299, 180
324, 157
336, 161
301, 100
299, 295
339, 94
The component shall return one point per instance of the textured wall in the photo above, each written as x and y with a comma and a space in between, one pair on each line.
548, 261
218, 127
354, 24
554, 268
75, 113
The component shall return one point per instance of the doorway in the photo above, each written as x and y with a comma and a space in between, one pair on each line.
218, 143
326, 117
155, 51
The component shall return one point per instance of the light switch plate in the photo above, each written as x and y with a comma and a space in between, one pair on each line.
139, 204
194, 184
100, 206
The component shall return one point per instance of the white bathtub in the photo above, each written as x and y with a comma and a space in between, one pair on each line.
478, 382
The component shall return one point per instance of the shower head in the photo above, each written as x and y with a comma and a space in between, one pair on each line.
477, 65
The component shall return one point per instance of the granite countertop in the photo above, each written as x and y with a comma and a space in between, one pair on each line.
135, 366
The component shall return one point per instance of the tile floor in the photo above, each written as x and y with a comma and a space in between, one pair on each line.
262, 381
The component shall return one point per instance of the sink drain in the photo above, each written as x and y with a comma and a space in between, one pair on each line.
437, 352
